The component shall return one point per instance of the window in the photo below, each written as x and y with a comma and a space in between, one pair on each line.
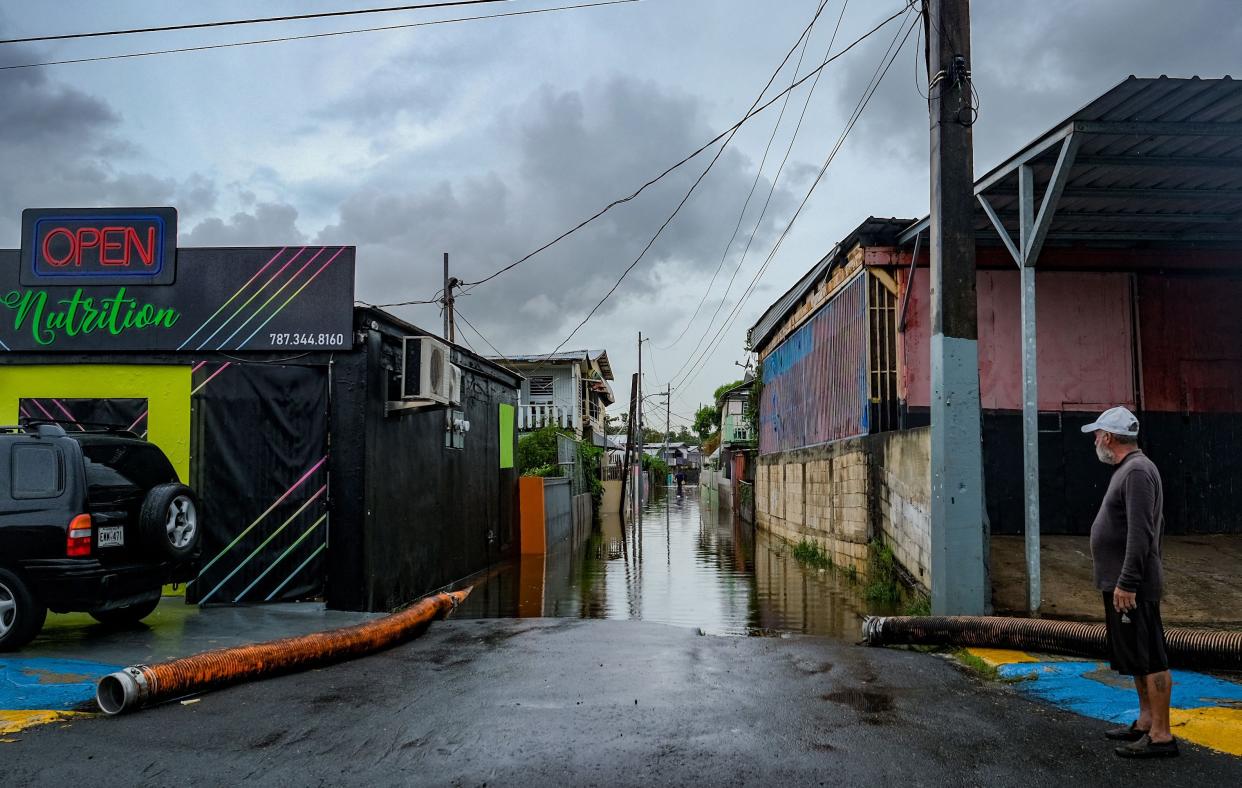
116, 468
735, 407
37, 471
541, 387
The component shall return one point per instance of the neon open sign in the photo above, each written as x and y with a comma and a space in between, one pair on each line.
98, 246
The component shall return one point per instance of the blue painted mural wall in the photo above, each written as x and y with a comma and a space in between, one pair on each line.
815, 382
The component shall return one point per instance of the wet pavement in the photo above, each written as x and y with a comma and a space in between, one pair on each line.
595, 665
588, 702
685, 564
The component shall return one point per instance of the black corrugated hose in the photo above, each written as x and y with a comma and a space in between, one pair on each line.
1187, 648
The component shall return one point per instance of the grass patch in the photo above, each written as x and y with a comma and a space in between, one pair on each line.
811, 554
983, 669
918, 604
976, 665
884, 584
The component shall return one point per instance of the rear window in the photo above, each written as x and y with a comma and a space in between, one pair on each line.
126, 465
37, 471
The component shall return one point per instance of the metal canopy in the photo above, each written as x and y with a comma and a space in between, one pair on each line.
1150, 162
1158, 161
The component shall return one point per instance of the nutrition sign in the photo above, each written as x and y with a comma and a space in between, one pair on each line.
97, 280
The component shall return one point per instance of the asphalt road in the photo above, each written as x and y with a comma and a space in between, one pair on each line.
555, 702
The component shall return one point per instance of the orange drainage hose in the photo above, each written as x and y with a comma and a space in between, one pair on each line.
145, 685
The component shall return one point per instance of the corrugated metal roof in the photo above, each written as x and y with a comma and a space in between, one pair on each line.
1158, 161
600, 356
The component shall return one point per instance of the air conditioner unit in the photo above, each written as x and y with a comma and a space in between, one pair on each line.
427, 374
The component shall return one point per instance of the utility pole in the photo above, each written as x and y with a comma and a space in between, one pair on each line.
638, 434
450, 329
668, 414
958, 561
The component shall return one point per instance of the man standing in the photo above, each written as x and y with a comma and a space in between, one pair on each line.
1125, 549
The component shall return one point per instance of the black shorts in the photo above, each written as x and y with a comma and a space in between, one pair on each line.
1135, 639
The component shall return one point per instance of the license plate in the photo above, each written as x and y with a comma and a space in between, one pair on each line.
111, 536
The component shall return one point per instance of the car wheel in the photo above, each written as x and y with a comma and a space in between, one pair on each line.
129, 615
21, 615
169, 521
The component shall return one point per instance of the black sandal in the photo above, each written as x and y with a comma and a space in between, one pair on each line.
1128, 733
1146, 748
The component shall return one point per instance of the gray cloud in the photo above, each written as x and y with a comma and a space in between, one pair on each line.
1036, 63
61, 148
571, 152
269, 224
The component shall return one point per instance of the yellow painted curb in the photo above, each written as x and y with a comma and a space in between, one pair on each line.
1000, 656
14, 721
1217, 727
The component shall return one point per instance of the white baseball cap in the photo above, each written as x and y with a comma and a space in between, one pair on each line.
1118, 420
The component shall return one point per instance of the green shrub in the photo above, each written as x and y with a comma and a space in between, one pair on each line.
537, 449
549, 471
883, 579
810, 554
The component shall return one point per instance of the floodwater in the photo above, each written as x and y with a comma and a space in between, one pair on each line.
686, 563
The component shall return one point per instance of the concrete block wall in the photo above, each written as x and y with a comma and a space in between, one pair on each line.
843, 495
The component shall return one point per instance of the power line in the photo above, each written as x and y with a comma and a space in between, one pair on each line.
762, 213
758, 176
673, 215
873, 85
205, 47
251, 21
877, 78
720, 152
488, 342
690, 157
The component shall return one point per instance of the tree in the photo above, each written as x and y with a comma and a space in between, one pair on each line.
706, 421
720, 390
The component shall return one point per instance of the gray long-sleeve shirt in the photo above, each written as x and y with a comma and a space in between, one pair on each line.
1127, 533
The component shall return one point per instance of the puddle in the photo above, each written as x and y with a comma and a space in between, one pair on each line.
686, 563
862, 701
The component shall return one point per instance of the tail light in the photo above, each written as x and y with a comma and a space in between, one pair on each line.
81, 535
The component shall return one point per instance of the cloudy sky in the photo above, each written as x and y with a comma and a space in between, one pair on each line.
488, 138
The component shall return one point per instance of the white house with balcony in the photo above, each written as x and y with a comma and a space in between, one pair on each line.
570, 389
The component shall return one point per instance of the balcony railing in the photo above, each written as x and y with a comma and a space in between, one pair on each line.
538, 416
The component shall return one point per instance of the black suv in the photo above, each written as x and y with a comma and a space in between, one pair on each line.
89, 521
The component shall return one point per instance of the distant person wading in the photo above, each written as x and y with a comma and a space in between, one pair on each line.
1126, 539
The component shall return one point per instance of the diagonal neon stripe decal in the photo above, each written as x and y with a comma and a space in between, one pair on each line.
210, 378
269, 510
6, 347
264, 543
301, 566
197, 367
46, 412
141, 416
69, 415
280, 558
270, 298
249, 282
290, 298
252, 297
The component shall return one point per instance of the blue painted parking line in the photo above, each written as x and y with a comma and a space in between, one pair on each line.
51, 684
1092, 689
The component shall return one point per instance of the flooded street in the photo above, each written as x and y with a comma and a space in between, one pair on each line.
685, 563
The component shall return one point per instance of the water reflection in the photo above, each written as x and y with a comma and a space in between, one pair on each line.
686, 563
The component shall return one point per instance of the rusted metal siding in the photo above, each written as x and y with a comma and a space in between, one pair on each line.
815, 382
1085, 341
